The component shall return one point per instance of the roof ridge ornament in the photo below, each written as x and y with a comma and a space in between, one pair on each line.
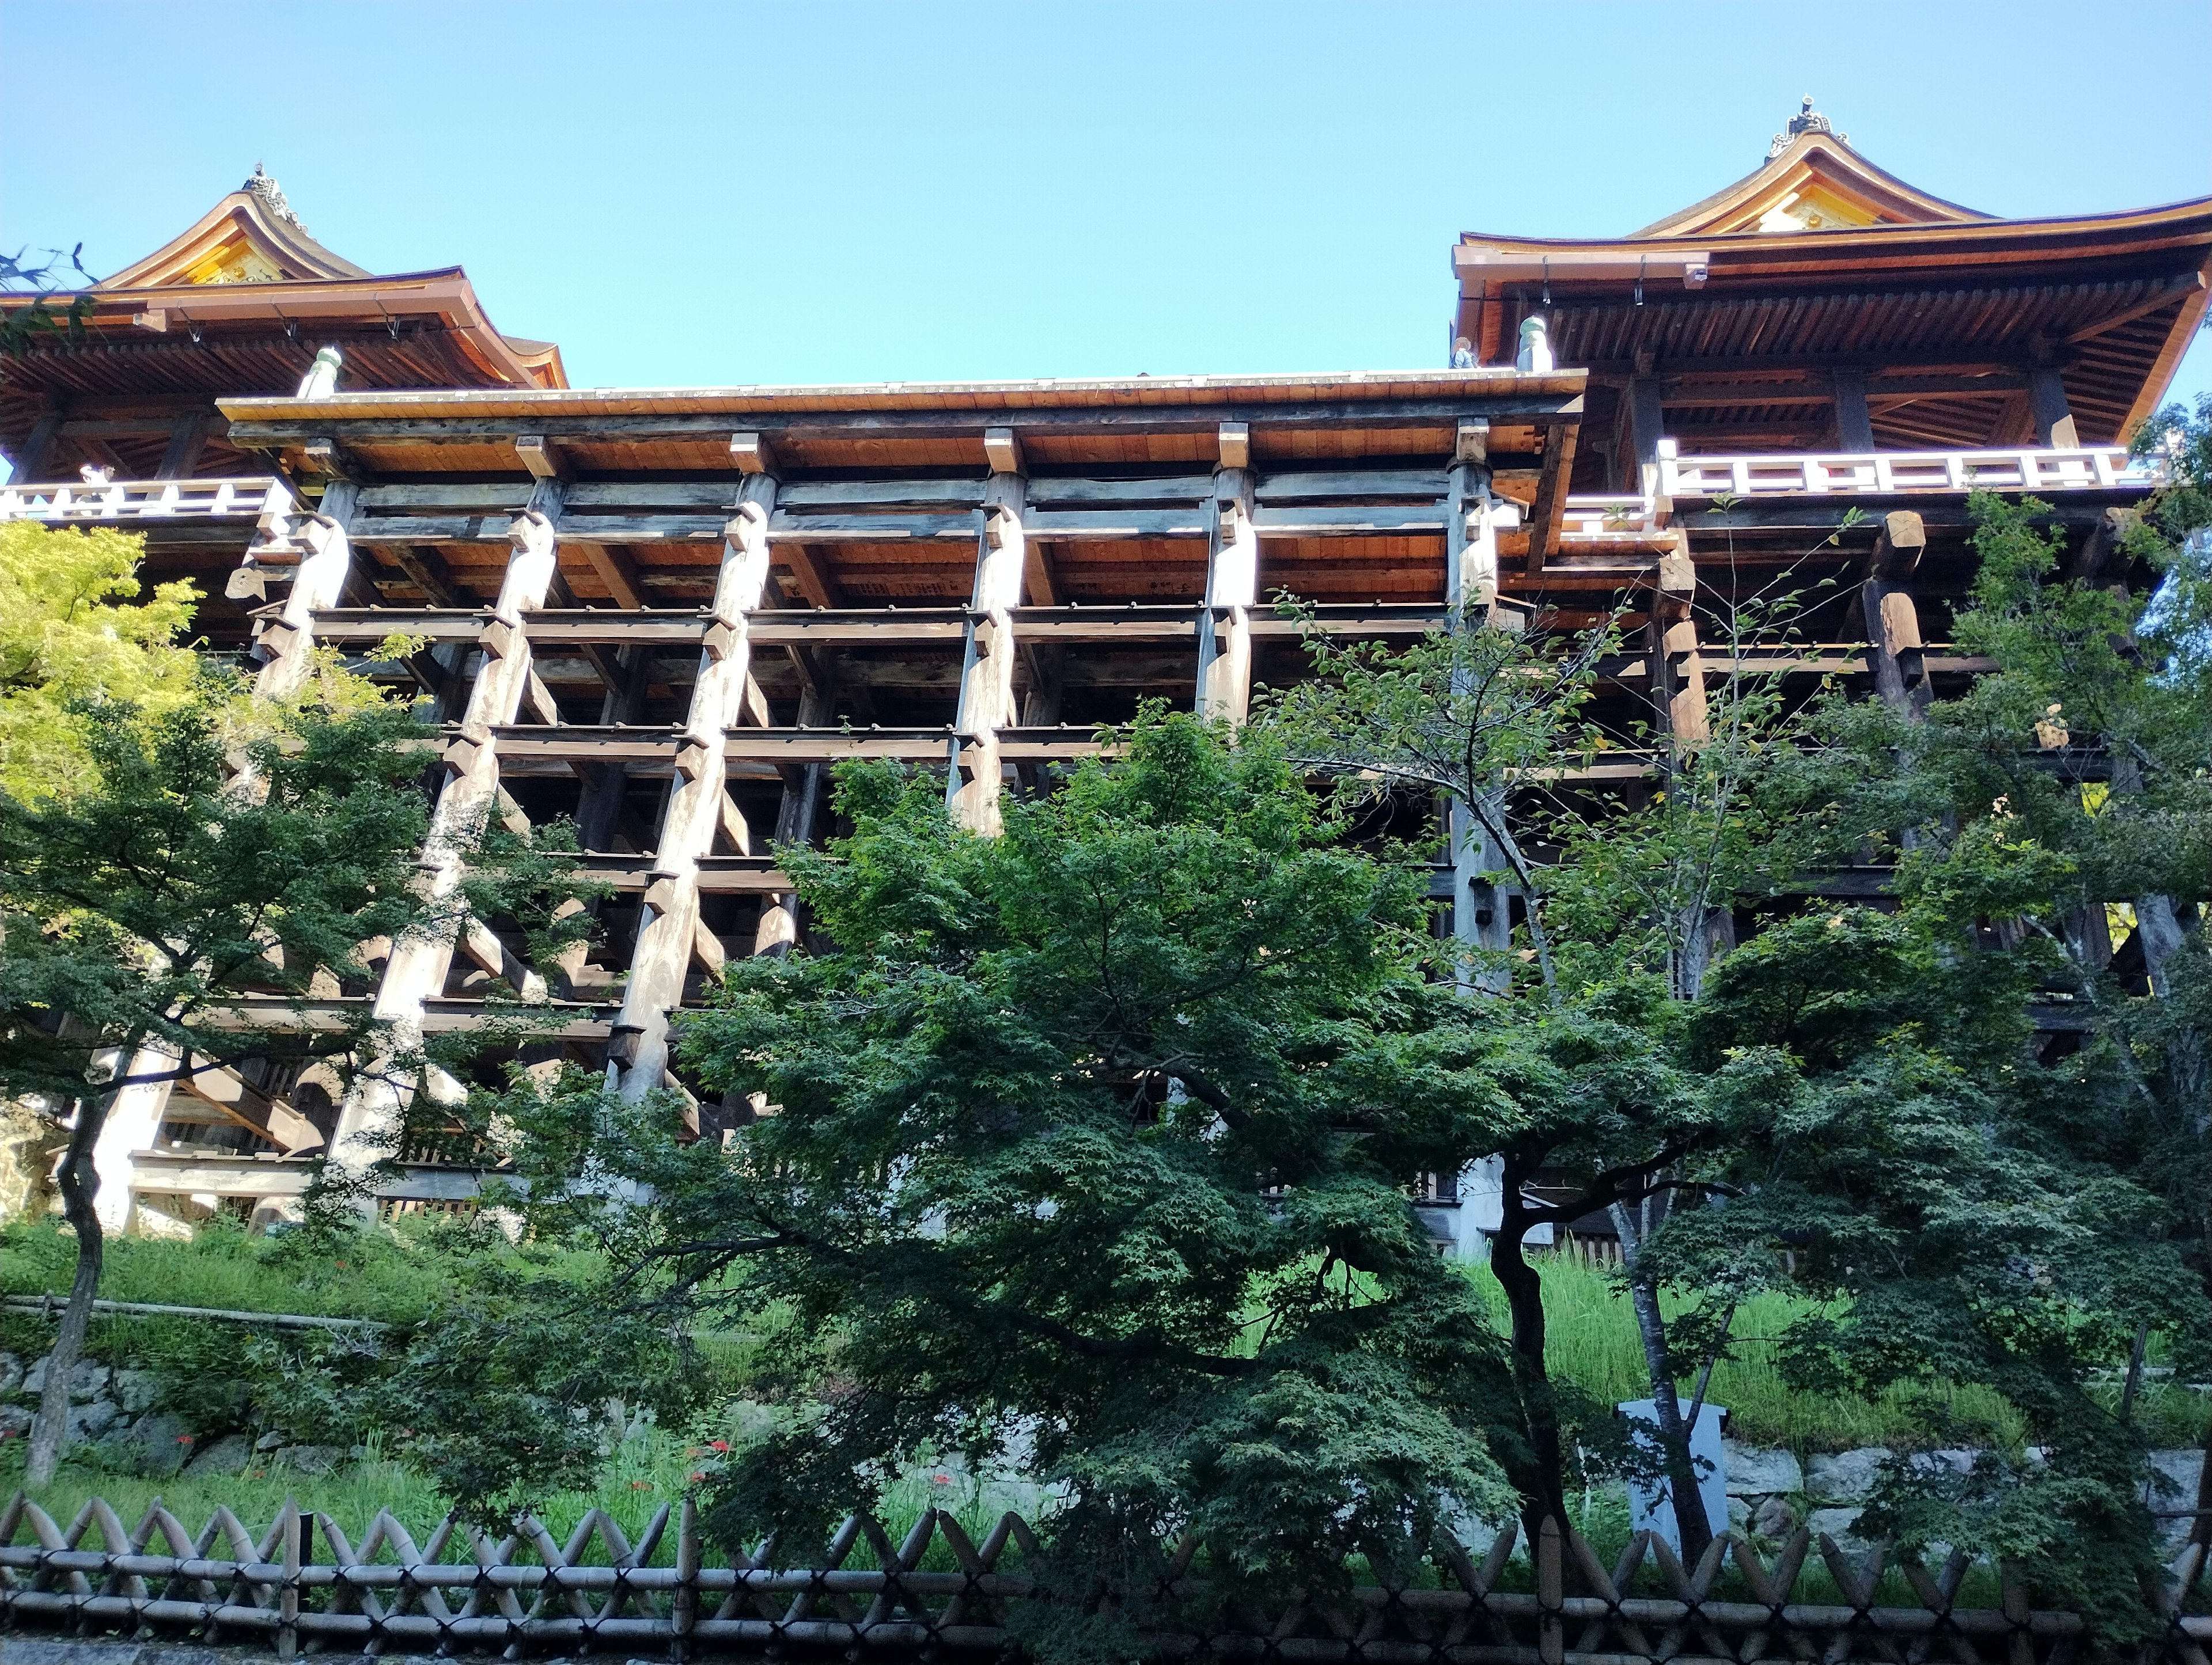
1806, 120
271, 196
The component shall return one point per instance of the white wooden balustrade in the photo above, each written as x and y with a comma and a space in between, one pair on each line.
1887, 473
1589, 519
244, 498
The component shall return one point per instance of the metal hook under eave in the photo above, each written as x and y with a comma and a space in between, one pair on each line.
1640, 259
1547, 280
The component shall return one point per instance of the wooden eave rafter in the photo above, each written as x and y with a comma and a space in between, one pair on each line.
1870, 265
959, 402
365, 302
2053, 250
1812, 158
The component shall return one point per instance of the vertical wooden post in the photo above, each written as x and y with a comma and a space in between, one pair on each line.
287, 1597
2046, 405
1482, 914
1550, 1596
317, 541
695, 811
1232, 580
987, 670
1678, 668
416, 970
131, 1125
188, 437
34, 461
1647, 421
2019, 1640
686, 1609
1854, 421
1893, 648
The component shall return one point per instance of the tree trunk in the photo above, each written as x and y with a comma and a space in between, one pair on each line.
1681, 1469
1537, 1472
79, 1185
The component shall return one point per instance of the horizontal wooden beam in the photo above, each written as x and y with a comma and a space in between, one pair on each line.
1447, 409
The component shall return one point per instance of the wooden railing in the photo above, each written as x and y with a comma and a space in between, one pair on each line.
1889, 473
938, 1593
1590, 523
243, 498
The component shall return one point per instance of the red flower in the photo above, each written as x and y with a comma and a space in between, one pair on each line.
641, 1485
942, 1480
183, 1439
718, 1445
696, 1476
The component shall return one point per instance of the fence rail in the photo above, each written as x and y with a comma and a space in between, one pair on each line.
243, 497
463, 1593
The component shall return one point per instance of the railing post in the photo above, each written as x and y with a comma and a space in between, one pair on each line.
2020, 1641
288, 1594
687, 1577
1550, 1597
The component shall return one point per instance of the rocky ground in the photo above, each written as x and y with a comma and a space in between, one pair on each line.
1771, 1493
116, 1411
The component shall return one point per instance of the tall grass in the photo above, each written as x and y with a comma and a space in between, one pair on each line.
1590, 1340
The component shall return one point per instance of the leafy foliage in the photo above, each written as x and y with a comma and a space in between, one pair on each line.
68, 642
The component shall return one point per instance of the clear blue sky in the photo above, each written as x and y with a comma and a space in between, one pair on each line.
702, 194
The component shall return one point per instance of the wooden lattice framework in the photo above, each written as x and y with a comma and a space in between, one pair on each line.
937, 1592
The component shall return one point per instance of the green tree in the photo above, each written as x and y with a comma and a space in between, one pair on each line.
1897, 1157
158, 905
1485, 719
1086, 1145
72, 635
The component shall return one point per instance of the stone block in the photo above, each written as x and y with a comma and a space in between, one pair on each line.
1754, 1472
157, 1444
86, 1382
1840, 1524
1845, 1476
90, 1420
11, 1374
227, 1455
16, 1419
311, 1459
135, 1391
1774, 1520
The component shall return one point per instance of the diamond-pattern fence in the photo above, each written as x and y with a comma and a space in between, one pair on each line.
302, 1584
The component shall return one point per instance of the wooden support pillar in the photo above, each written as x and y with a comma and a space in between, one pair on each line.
188, 437
1678, 671
2047, 407
2102, 550
1893, 650
1470, 530
134, 1118
987, 670
310, 549
669, 935
1232, 580
34, 461
1854, 420
416, 970
778, 928
1481, 908
1647, 422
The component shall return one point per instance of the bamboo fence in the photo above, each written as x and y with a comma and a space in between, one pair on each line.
600, 1593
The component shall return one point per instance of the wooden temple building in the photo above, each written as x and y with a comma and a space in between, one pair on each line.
664, 614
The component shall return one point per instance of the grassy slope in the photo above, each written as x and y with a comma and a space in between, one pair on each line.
1592, 1342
